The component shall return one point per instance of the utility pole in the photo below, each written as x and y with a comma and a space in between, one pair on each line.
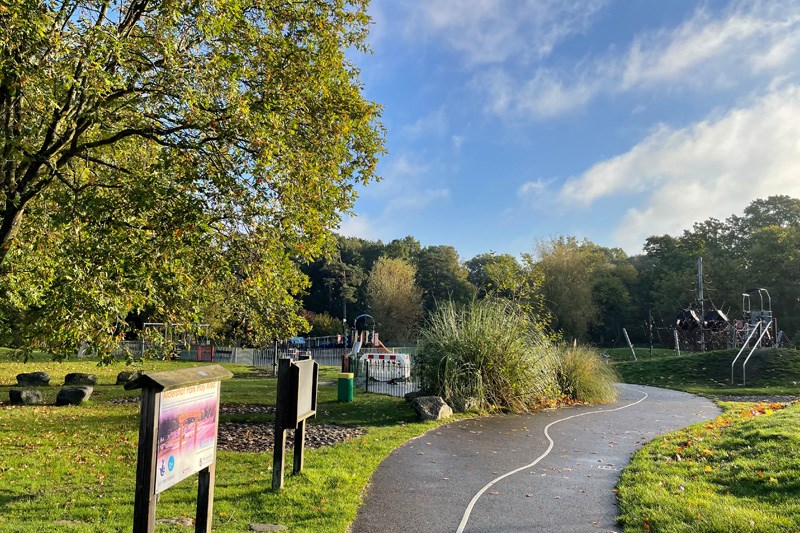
700, 302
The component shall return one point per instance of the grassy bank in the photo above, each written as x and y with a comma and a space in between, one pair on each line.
738, 473
769, 371
73, 468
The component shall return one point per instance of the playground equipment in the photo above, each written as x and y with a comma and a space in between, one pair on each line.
173, 341
758, 323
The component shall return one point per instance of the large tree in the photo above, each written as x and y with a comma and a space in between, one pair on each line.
184, 156
395, 301
442, 277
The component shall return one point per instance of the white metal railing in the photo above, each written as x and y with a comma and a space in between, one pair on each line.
758, 343
745, 344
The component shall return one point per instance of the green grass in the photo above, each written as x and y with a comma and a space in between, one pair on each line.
620, 353
73, 468
769, 371
738, 473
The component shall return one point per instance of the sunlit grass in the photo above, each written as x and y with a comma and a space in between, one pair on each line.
73, 468
737, 473
770, 371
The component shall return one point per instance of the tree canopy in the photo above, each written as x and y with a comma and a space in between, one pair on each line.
181, 157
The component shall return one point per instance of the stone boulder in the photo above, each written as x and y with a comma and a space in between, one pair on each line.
127, 375
79, 378
431, 408
74, 395
24, 397
411, 396
33, 379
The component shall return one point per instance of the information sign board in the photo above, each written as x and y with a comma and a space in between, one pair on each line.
187, 432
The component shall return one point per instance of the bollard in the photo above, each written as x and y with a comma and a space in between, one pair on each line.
345, 387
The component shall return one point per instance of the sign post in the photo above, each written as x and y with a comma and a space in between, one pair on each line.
297, 401
177, 438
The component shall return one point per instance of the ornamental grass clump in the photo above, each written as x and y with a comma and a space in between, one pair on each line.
488, 355
583, 376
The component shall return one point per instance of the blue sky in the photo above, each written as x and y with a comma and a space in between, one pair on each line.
512, 121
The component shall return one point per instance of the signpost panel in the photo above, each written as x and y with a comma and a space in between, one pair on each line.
187, 432
177, 438
296, 401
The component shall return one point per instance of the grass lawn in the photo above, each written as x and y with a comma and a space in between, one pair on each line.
621, 353
738, 473
769, 372
73, 468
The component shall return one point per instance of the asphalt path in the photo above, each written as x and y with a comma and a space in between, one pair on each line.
552, 471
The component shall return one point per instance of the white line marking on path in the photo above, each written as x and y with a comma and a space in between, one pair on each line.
489, 485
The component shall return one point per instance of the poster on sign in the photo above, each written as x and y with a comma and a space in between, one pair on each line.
187, 432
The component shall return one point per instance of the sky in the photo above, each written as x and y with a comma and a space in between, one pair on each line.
514, 121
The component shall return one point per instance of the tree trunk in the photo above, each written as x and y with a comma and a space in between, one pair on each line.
12, 218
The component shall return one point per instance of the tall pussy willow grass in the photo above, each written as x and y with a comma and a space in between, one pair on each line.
487, 355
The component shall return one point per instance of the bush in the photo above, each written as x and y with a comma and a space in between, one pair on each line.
323, 324
487, 355
583, 375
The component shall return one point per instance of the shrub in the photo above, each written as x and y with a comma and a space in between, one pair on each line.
583, 375
486, 355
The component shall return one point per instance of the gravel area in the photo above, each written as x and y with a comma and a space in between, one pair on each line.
255, 437
261, 437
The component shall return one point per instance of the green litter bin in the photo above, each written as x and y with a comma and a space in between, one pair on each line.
346, 387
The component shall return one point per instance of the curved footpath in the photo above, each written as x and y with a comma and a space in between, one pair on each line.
503, 473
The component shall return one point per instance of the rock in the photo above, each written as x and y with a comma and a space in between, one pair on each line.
411, 396
24, 397
431, 408
79, 378
33, 379
127, 375
73, 395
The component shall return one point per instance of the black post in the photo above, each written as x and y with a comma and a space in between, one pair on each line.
299, 446
144, 507
205, 499
283, 401
275, 360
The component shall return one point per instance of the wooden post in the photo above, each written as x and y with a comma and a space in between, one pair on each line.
677, 342
205, 499
299, 446
144, 507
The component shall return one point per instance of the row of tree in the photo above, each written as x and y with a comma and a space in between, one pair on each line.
585, 291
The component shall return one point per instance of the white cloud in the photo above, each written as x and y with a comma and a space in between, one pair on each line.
407, 186
415, 200
751, 40
358, 226
711, 169
533, 189
434, 124
494, 31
